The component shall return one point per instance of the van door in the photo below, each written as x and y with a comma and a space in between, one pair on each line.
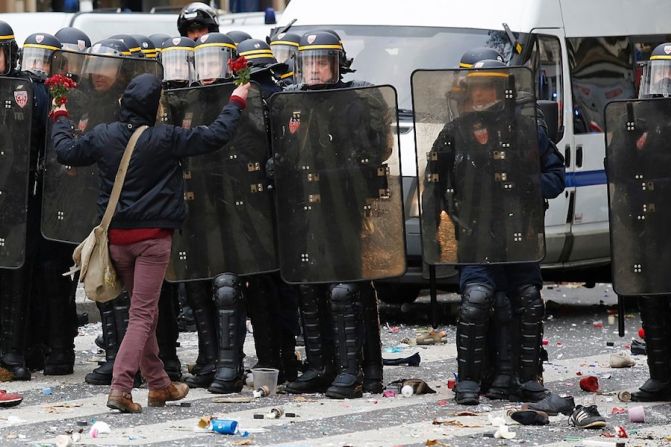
547, 60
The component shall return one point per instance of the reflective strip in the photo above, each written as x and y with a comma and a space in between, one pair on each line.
205, 45
257, 56
7, 37
256, 52
44, 47
487, 74
177, 49
135, 50
150, 53
284, 42
287, 75
320, 47
464, 65
652, 58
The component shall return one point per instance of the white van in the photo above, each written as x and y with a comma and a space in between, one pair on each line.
584, 53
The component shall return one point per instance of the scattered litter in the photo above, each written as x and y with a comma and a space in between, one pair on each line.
389, 393
443, 403
435, 443
465, 413
263, 391
610, 343
412, 360
407, 391
598, 324
393, 329
185, 404
598, 443
641, 333
243, 442
618, 410
275, 413
620, 432
504, 433
418, 386
258, 416
637, 414
232, 400
99, 428
82, 423
606, 376
589, 384
224, 426
624, 396
6, 375
546, 342
431, 337
291, 415
63, 441
204, 422
456, 423
47, 391
394, 349
621, 360
451, 383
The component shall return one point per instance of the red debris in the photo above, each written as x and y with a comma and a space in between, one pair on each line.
589, 384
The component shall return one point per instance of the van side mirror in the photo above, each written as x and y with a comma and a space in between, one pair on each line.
551, 111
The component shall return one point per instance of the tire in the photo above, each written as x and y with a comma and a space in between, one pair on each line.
391, 293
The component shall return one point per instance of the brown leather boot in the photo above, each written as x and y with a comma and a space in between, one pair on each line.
123, 401
172, 392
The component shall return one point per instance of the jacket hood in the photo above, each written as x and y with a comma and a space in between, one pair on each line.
139, 103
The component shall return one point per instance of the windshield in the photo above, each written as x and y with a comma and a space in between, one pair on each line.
389, 54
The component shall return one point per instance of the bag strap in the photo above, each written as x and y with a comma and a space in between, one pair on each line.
120, 177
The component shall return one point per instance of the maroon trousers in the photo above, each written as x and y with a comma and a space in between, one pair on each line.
142, 267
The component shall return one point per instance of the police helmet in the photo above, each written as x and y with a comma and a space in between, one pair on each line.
9, 46
73, 39
656, 79
157, 39
238, 36
177, 55
211, 56
478, 54
37, 50
131, 42
316, 50
285, 46
111, 47
197, 15
147, 47
257, 52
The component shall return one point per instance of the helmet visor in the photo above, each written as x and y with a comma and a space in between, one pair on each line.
212, 62
484, 89
177, 64
656, 79
318, 67
36, 60
102, 71
282, 53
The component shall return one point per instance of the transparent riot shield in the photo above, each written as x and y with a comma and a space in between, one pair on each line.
639, 186
15, 123
229, 227
69, 208
338, 185
478, 166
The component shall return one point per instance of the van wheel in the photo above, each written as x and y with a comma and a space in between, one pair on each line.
397, 293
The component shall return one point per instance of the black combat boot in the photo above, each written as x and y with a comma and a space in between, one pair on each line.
372, 346
317, 333
62, 317
348, 333
231, 316
199, 295
528, 312
102, 375
167, 331
504, 377
14, 305
655, 317
476, 303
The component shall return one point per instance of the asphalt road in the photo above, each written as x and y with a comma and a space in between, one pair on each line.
578, 330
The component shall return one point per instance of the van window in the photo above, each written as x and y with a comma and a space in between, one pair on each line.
546, 63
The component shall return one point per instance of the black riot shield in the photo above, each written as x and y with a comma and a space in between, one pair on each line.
639, 185
338, 186
15, 121
229, 227
69, 210
479, 166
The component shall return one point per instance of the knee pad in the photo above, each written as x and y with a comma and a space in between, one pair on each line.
476, 303
529, 302
227, 291
344, 293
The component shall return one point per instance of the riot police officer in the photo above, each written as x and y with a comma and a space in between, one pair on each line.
147, 46
238, 36
131, 42
73, 39
177, 59
521, 282
15, 291
656, 310
197, 19
344, 312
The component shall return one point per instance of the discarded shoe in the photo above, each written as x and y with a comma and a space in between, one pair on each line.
431, 338
553, 405
621, 360
413, 360
586, 417
529, 417
9, 399
638, 347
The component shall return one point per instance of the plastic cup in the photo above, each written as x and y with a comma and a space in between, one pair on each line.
265, 377
224, 426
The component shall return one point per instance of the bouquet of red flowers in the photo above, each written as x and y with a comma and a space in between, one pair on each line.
240, 70
59, 85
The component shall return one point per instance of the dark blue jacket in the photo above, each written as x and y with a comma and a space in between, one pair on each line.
153, 193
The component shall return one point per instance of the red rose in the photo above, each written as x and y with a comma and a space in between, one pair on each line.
237, 64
